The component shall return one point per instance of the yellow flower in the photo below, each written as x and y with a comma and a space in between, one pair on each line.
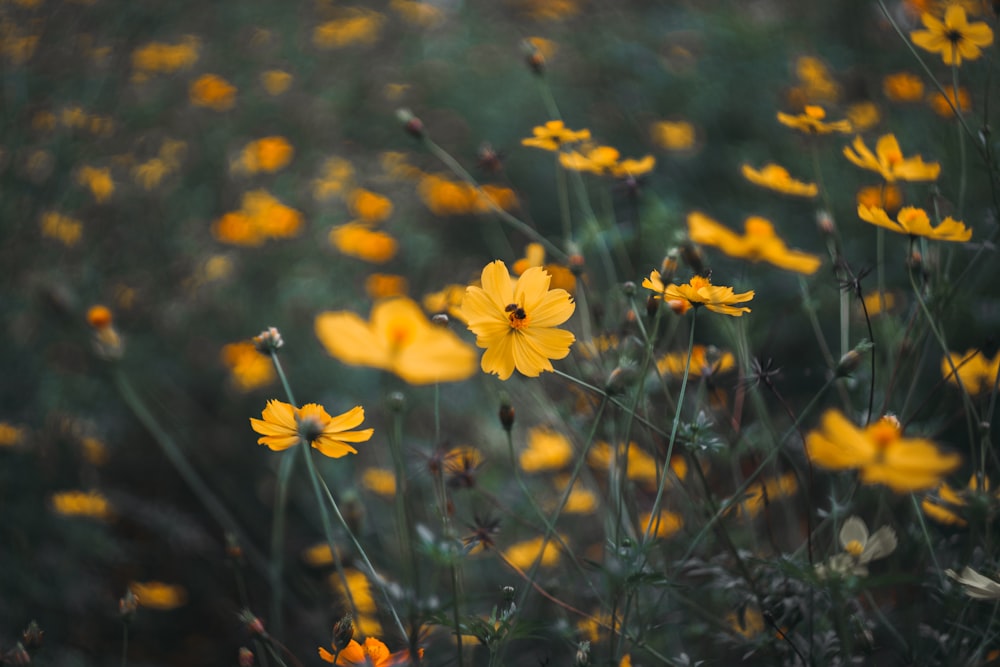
554, 135
700, 292
373, 653
534, 255
903, 87
516, 324
811, 121
876, 303
248, 368
335, 177
863, 116
547, 450
777, 178
448, 301
358, 26
283, 426
889, 161
943, 104
266, 155
158, 595
275, 81
603, 161
675, 136
748, 625
166, 58
880, 452
887, 196
423, 14
914, 221
705, 361
10, 435
976, 371
399, 339
945, 505
666, 525
98, 181
522, 555
443, 197
63, 228
356, 240
817, 83
212, 91
381, 481
89, 504
757, 495
954, 37
641, 467
385, 285
361, 593
371, 207
580, 500
760, 243
260, 217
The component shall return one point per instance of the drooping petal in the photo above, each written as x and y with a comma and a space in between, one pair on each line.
349, 338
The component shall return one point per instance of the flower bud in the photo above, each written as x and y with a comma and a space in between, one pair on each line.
582, 654
396, 401
253, 623
246, 657
825, 223
343, 631
692, 256
127, 606
441, 320
268, 341
668, 267
506, 413
850, 361
32, 636
413, 125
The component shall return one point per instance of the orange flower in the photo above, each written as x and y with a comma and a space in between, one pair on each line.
777, 178
212, 91
283, 426
886, 196
941, 106
275, 81
903, 87
879, 452
266, 155
760, 243
889, 161
248, 368
976, 372
158, 595
678, 136
91, 504
261, 217
914, 221
372, 654
385, 285
356, 240
705, 361
811, 121
62, 228
369, 206
98, 181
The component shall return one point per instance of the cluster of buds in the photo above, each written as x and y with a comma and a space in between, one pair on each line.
107, 342
267, 341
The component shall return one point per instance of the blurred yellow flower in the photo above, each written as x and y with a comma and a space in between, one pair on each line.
749, 624
640, 466
95, 452
976, 371
667, 524
759, 494
887, 196
98, 181
581, 500
777, 178
516, 323
159, 57
62, 228
946, 504
248, 368
603, 161
381, 481
357, 240
10, 435
158, 595
90, 504
275, 81
678, 136
889, 162
448, 301
818, 84
534, 255
942, 104
549, 10
903, 87
759, 244
879, 452
522, 555
212, 91
149, 174
369, 206
364, 602
399, 339
952, 35
554, 135
915, 222
444, 197
547, 449
705, 361
320, 555
283, 426
373, 653
385, 285
877, 304
811, 121
336, 176
261, 217
423, 14
357, 26
863, 116
269, 155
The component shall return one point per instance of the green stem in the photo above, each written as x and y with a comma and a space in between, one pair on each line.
124, 643
962, 178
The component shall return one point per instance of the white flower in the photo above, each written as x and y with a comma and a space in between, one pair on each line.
976, 586
860, 548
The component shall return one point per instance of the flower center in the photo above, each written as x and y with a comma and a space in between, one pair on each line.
309, 429
854, 547
516, 315
953, 36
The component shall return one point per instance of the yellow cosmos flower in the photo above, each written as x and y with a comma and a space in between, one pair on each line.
888, 161
166, 58
98, 181
212, 91
665, 525
534, 255
915, 222
89, 504
760, 243
369, 206
248, 368
976, 371
547, 450
903, 87
448, 300
705, 361
946, 504
275, 81
261, 217
400, 339
266, 155
944, 105
700, 292
876, 303
158, 595
554, 135
678, 136
523, 554
953, 37
640, 466
777, 178
863, 116
62, 228
879, 452
516, 324
759, 494
356, 240
10, 435
887, 196
603, 161
356, 26
386, 285
373, 653
580, 500
811, 121
283, 426
381, 481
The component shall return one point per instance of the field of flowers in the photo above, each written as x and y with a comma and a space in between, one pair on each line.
510, 333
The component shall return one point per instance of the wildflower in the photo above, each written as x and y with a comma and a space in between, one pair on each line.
448, 300
860, 548
158, 595
700, 292
760, 243
265, 155
62, 228
10, 435
373, 653
212, 91
887, 196
380, 481
666, 524
260, 217
357, 26
98, 181
677, 136
757, 495
148, 175
888, 161
356, 240
400, 339
975, 585
976, 372
534, 255
248, 368
423, 14
876, 303
523, 554
580, 500
547, 450
747, 624
863, 116
516, 324
275, 81
90, 504
945, 105
953, 37
640, 466
385, 285
944, 506
879, 452
817, 83
903, 87
336, 175
369, 206
283, 426
554, 135
364, 601
603, 161
159, 57
777, 178
914, 221
811, 121
705, 361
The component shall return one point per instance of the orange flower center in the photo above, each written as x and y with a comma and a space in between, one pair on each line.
516, 315
854, 548
884, 432
894, 157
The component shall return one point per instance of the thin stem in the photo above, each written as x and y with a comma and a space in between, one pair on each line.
285, 469
962, 177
